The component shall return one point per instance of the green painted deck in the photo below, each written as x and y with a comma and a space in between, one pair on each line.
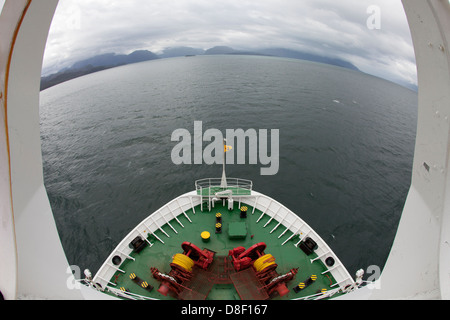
160, 255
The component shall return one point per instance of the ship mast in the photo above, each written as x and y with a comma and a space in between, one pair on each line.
223, 183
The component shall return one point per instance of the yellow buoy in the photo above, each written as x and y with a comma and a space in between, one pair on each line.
183, 261
205, 236
263, 262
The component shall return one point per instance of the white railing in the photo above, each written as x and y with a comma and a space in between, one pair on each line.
289, 221
151, 224
237, 185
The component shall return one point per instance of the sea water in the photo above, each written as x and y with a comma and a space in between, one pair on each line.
346, 144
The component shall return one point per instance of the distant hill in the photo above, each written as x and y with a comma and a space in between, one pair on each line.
113, 60
220, 50
110, 60
181, 52
94, 64
229, 50
68, 74
287, 53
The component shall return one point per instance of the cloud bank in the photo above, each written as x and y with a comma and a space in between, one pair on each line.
341, 29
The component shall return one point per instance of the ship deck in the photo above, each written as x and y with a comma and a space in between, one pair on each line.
221, 282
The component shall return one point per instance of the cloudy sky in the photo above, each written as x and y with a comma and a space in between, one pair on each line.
371, 34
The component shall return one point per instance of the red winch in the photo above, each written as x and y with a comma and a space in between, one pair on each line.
242, 259
182, 265
264, 266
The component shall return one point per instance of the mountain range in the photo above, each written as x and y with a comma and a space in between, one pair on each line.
111, 60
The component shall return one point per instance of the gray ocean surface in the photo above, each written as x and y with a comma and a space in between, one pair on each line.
346, 143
